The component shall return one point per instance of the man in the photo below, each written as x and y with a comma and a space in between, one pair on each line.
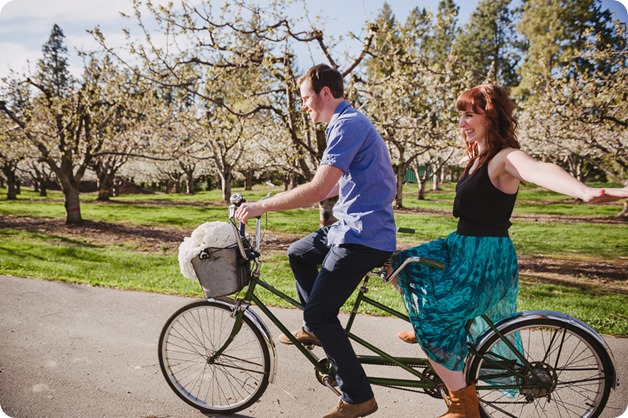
356, 167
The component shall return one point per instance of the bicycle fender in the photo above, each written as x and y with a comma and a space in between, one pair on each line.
259, 324
558, 316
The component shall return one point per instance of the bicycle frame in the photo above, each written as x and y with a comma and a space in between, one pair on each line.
418, 379
381, 357
420, 374
218, 355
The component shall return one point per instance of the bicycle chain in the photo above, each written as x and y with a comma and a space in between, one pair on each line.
422, 391
434, 393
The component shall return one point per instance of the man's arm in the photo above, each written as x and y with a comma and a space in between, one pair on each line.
323, 185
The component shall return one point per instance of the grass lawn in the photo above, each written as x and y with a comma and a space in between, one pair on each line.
546, 226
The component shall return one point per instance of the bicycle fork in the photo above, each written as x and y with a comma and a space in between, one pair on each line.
240, 309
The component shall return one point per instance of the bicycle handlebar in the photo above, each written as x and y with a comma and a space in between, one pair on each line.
236, 200
421, 260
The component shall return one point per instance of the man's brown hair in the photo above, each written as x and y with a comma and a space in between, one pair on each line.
322, 75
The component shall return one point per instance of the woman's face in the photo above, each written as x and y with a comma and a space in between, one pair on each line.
473, 125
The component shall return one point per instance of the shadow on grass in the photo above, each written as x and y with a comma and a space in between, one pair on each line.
581, 286
93, 231
604, 272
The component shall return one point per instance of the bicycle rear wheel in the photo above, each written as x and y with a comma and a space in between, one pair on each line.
231, 381
569, 372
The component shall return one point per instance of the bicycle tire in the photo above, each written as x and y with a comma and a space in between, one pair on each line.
234, 380
574, 367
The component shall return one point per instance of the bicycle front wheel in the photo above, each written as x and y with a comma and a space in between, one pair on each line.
223, 383
569, 373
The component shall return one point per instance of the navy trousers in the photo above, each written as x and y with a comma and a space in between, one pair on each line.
324, 292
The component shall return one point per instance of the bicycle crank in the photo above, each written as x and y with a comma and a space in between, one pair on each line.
326, 378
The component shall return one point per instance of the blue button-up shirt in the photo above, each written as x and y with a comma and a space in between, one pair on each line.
366, 188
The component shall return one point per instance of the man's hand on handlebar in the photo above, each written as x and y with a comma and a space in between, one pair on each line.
249, 210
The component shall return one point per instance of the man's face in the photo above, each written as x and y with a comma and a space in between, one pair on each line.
312, 103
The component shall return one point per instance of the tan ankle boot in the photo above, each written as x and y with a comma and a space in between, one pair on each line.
463, 403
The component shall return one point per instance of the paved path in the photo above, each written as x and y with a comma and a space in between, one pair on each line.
72, 351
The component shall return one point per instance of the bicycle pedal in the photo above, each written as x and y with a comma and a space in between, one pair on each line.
332, 385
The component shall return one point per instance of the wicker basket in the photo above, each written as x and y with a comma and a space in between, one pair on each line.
221, 271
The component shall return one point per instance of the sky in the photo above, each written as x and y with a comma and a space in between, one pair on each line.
25, 24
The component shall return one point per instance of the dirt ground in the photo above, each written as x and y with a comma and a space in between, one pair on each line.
607, 275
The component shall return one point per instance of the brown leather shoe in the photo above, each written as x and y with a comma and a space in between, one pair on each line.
407, 337
350, 410
302, 335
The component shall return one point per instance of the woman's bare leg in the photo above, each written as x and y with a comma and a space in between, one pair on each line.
454, 380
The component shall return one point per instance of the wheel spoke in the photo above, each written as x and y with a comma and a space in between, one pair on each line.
232, 380
564, 374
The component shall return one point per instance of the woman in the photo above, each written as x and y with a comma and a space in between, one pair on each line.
481, 276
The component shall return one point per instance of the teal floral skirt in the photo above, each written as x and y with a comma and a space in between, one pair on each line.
481, 277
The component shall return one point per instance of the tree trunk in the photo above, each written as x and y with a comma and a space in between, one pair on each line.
420, 181
293, 180
225, 184
41, 177
9, 173
104, 194
248, 180
325, 208
421, 191
42, 184
43, 189
437, 177
189, 183
105, 187
72, 204
576, 165
400, 171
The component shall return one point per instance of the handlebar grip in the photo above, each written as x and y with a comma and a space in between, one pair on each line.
236, 199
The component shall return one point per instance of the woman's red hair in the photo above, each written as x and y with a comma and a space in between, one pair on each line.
493, 102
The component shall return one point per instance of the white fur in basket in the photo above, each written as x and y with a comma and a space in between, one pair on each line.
209, 234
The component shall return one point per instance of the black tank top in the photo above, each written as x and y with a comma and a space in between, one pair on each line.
483, 210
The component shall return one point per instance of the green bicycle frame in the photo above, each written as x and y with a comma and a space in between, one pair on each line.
421, 375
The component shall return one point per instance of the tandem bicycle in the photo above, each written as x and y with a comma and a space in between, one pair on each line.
218, 355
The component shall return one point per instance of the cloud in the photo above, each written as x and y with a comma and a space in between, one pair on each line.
19, 53
93, 10
25, 26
